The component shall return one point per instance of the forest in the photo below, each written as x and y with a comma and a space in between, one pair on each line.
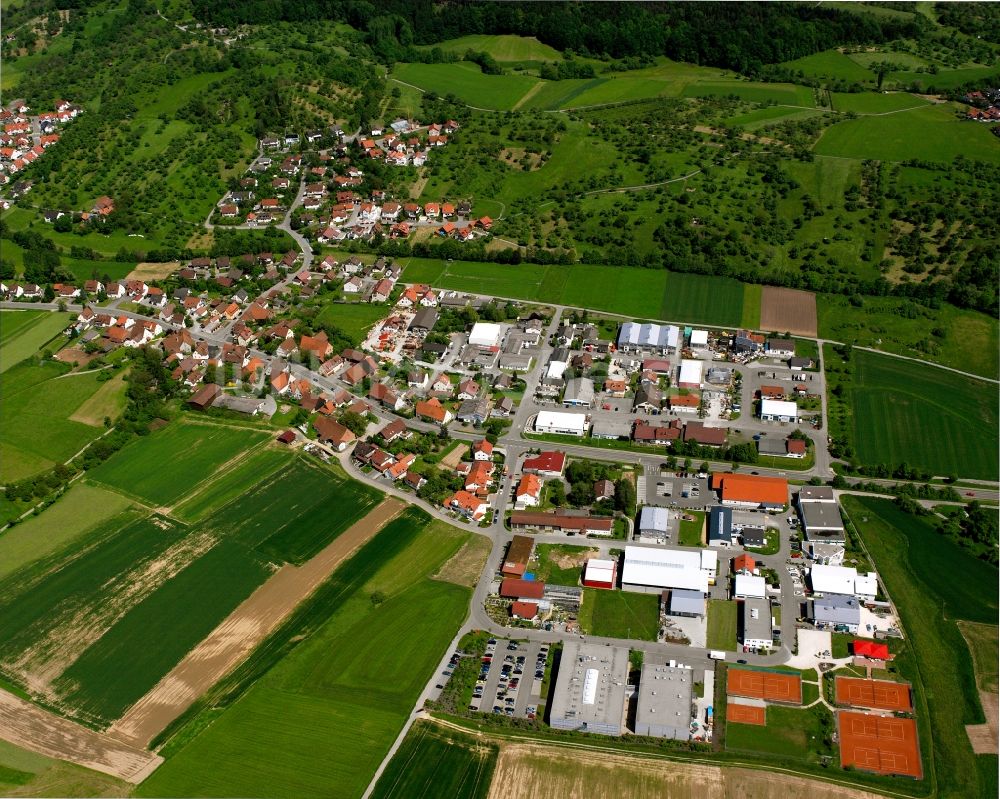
739, 36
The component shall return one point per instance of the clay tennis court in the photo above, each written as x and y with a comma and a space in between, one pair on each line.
876, 694
788, 311
770, 685
745, 714
880, 744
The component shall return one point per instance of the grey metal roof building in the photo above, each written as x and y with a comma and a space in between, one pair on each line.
424, 319
686, 603
635, 336
654, 521
835, 610
663, 709
579, 392
611, 428
772, 446
720, 527
590, 689
816, 494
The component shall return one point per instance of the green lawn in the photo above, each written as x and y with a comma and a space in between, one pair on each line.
163, 467
467, 81
549, 571
932, 134
620, 614
904, 412
722, 625
437, 762
791, 733
691, 532
831, 64
80, 509
23, 333
319, 722
35, 434
919, 569
354, 318
783, 93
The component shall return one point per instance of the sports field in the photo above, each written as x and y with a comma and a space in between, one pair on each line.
620, 614
162, 467
874, 694
638, 293
772, 686
790, 733
433, 761
319, 721
23, 333
879, 744
935, 419
746, 714
931, 133
467, 82
37, 434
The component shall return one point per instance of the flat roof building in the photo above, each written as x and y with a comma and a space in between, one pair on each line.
568, 424
816, 494
663, 708
654, 522
755, 621
485, 334
822, 522
747, 585
690, 374
590, 689
647, 569
778, 411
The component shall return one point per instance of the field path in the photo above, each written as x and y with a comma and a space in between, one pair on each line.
528, 95
246, 627
30, 727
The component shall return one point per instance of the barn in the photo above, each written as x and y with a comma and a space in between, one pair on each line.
600, 573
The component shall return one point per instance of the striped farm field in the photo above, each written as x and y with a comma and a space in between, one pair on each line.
924, 416
467, 82
23, 333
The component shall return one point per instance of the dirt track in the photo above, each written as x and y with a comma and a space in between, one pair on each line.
529, 771
229, 643
30, 727
983, 737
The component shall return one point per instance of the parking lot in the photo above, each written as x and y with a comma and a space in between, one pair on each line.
680, 492
510, 680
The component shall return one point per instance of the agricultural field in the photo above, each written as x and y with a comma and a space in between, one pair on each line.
782, 93
984, 642
25, 773
162, 467
318, 722
82, 508
868, 103
620, 614
638, 293
34, 435
915, 563
900, 411
467, 82
437, 762
932, 133
23, 333
502, 48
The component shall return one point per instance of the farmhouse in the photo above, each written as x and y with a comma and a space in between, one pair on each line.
518, 555
333, 433
561, 522
647, 569
700, 433
514, 588
590, 689
663, 708
204, 397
